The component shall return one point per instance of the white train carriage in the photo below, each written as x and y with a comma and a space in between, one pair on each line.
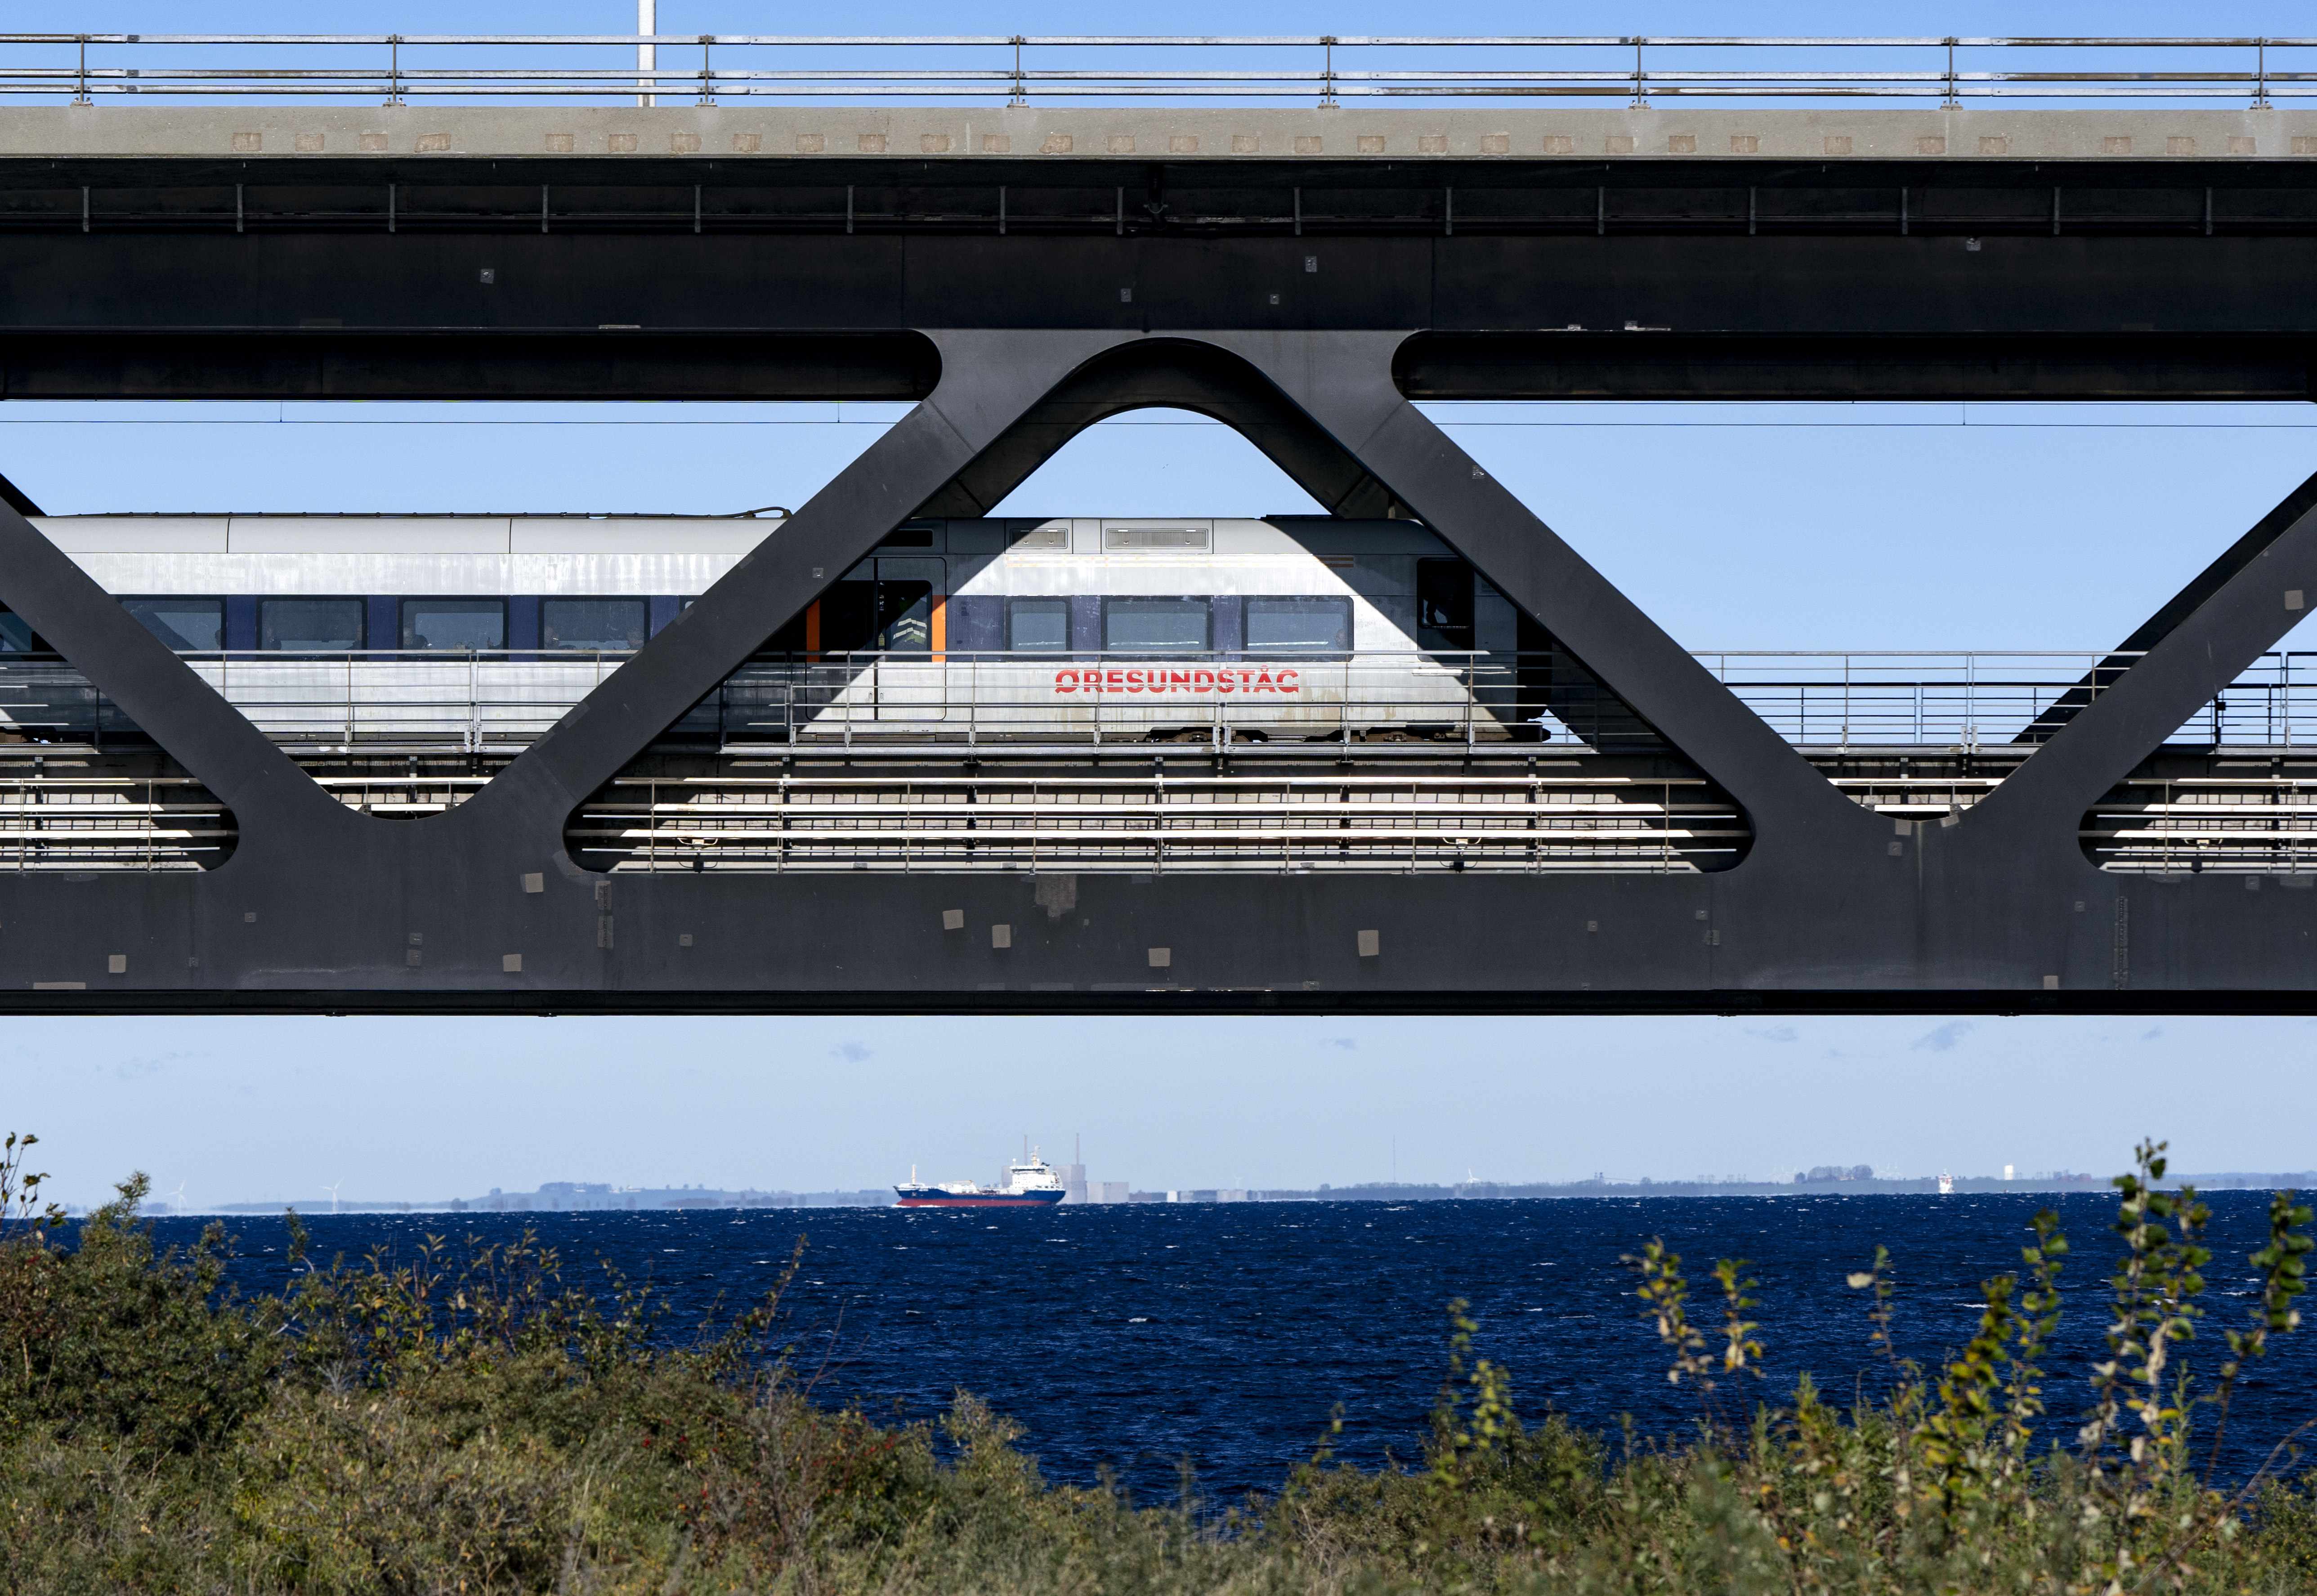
1126, 630
478, 632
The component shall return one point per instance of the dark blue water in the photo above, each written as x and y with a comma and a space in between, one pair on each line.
1137, 1337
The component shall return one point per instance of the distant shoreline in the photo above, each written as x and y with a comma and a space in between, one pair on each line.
571, 1199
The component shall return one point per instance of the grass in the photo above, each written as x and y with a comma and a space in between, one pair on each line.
464, 1422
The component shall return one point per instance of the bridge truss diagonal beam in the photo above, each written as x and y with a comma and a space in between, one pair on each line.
1173, 373
190, 721
2233, 612
1344, 383
2234, 558
988, 380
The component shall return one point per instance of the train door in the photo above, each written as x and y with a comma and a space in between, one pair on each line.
884, 606
1444, 607
1463, 619
874, 637
912, 599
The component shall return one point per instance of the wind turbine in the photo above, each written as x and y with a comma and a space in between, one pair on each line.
177, 1200
332, 1189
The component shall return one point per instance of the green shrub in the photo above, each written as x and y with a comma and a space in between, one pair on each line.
463, 1420
116, 1344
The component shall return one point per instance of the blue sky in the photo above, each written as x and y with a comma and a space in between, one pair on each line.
1914, 526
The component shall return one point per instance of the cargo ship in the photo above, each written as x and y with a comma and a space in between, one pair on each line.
1030, 1182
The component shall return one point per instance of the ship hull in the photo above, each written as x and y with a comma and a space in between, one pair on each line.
924, 1197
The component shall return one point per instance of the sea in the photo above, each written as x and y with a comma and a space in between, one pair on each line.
1154, 1344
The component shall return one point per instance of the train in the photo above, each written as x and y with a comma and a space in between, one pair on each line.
345, 631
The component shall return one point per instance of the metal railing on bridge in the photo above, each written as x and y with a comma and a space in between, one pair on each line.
70, 821
1534, 823
1972, 700
1909, 734
494, 705
1320, 69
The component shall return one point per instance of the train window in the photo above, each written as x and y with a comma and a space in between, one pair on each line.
890, 615
1444, 605
16, 635
309, 625
1154, 625
905, 613
454, 622
848, 617
1317, 625
592, 624
189, 625
1038, 625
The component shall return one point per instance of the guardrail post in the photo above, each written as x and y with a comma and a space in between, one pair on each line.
1953, 102
1327, 76
394, 70
1971, 702
1641, 79
1021, 94
1844, 744
80, 96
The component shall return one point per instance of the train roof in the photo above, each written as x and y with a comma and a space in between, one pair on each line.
467, 533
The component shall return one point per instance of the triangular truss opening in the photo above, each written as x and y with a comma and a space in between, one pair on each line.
1156, 693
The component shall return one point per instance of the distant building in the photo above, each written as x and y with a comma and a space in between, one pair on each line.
1107, 1191
1073, 1174
565, 1196
1231, 1194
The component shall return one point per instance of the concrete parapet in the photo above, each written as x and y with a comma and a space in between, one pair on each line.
728, 133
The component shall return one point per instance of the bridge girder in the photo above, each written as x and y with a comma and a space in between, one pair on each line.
1833, 908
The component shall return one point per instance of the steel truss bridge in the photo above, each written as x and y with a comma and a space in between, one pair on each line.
699, 826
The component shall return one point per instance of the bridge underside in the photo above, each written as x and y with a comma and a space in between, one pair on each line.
1312, 344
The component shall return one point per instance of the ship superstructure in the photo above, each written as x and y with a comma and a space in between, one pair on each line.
1029, 1182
